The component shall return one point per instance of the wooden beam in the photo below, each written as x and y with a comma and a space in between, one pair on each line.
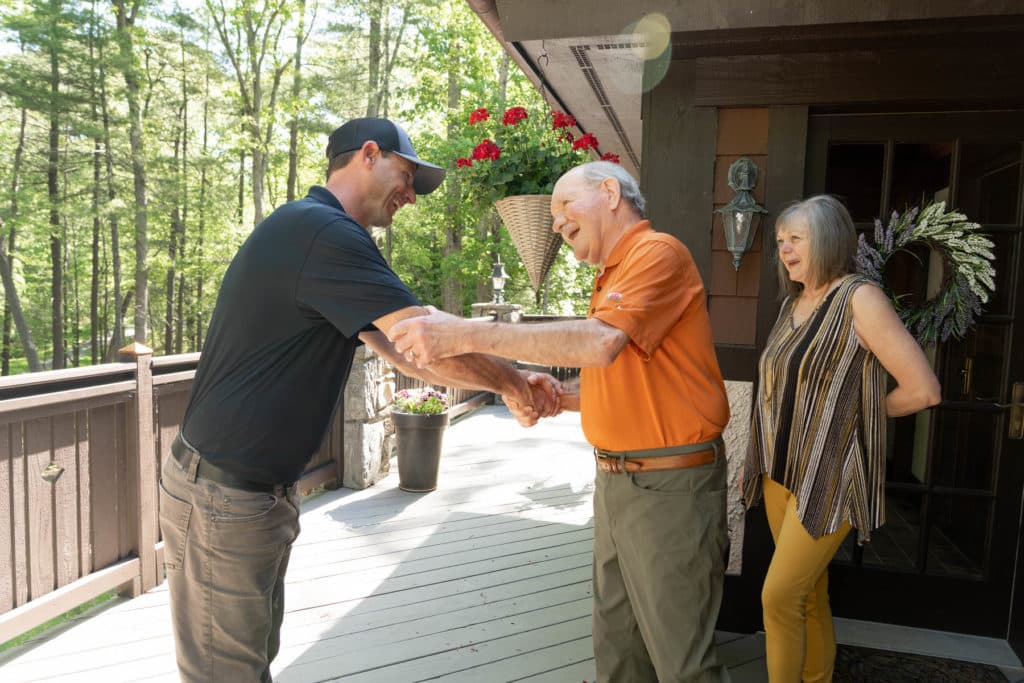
915, 76
546, 19
679, 163
56, 603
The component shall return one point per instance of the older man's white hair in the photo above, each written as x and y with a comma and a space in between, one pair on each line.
596, 171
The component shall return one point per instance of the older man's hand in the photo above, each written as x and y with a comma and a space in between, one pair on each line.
425, 339
546, 394
551, 389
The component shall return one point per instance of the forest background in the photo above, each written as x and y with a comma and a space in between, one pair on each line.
141, 141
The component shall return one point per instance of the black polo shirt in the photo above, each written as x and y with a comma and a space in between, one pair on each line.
282, 337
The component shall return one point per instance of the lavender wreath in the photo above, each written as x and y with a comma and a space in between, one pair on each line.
968, 274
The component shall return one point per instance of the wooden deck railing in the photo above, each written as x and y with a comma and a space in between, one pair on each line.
80, 454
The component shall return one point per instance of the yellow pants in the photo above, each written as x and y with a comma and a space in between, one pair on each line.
799, 636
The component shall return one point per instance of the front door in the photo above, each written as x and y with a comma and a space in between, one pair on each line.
946, 558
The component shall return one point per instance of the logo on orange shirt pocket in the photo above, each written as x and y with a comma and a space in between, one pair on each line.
615, 296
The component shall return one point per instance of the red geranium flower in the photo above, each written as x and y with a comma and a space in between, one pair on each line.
526, 151
478, 115
561, 120
487, 150
514, 116
585, 142
608, 156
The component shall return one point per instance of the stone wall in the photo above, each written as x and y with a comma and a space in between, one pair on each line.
369, 436
737, 434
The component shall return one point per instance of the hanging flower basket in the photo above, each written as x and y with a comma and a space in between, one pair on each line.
528, 219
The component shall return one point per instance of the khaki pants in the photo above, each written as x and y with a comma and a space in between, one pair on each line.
226, 551
800, 641
660, 544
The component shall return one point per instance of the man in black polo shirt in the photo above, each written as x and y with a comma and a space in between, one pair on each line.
306, 288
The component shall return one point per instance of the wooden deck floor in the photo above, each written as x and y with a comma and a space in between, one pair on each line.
485, 579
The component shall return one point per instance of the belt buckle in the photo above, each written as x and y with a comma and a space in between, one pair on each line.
608, 464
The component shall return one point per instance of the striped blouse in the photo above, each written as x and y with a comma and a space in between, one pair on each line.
835, 460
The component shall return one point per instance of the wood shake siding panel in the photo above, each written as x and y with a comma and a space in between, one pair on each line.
733, 294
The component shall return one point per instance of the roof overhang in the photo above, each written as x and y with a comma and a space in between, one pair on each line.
588, 57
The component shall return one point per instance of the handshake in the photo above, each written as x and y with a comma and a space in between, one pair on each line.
547, 397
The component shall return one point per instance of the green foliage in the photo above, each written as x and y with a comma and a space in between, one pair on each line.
425, 401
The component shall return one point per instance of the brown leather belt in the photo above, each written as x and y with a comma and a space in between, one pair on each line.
658, 459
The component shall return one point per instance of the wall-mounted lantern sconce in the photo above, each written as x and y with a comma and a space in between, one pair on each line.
741, 216
498, 279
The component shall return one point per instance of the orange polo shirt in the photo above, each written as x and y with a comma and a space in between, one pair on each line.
665, 387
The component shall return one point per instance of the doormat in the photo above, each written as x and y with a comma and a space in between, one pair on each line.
865, 665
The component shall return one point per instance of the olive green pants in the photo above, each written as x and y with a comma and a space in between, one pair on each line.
660, 545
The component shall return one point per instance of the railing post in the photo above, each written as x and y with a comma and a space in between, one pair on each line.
142, 449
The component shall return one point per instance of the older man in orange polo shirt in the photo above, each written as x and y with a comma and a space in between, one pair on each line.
653, 405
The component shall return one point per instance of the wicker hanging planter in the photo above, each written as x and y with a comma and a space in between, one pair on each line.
528, 219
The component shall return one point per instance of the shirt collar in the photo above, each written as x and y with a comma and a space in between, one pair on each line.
632, 235
324, 196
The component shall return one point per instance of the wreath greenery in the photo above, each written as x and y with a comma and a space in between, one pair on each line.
968, 275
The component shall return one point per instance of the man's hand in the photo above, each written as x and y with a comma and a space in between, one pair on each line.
425, 339
546, 392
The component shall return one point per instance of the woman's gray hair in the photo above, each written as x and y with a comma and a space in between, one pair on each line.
597, 171
833, 241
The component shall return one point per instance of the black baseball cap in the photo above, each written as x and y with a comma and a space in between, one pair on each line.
352, 135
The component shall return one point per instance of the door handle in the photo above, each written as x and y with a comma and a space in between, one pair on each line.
1015, 423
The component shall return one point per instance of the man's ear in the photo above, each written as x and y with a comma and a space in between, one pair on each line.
371, 152
613, 191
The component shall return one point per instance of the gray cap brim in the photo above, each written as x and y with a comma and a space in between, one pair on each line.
427, 177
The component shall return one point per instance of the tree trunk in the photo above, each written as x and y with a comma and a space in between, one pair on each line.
14, 304
125, 26
10, 291
117, 334
72, 310
376, 10
177, 230
95, 353
13, 314
53, 193
451, 287
197, 339
293, 125
182, 172
241, 187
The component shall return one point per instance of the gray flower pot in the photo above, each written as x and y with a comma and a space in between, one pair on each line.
419, 449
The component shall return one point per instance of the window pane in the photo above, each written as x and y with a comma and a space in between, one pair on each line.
920, 174
907, 451
854, 175
1004, 248
958, 536
894, 546
972, 367
963, 449
989, 182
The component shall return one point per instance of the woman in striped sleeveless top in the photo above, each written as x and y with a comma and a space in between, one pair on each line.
817, 440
